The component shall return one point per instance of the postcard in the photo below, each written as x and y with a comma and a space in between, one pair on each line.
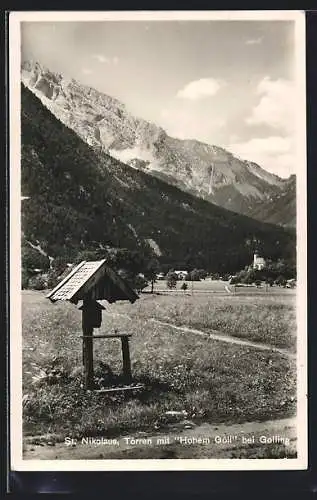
158, 240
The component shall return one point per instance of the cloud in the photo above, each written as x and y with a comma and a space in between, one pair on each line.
101, 58
198, 89
275, 107
106, 60
86, 71
254, 41
187, 121
274, 153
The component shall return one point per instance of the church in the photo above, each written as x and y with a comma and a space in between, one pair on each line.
258, 262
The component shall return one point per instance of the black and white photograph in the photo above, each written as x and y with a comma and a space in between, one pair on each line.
158, 240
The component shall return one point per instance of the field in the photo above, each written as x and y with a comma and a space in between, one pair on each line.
248, 313
188, 369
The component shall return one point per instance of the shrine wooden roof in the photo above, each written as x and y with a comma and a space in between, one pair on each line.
95, 280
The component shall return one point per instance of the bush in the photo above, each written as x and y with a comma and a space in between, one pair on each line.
25, 279
281, 281
59, 264
195, 275
279, 272
248, 278
33, 259
234, 280
38, 282
139, 283
171, 280
53, 278
86, 255
198, 274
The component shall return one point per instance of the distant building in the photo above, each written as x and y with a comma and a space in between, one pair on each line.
160, 276
258, 262
181, 275
291, 283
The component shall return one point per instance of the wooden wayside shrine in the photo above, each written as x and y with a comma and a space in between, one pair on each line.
90, 282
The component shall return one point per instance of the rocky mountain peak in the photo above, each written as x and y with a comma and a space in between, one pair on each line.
206, 170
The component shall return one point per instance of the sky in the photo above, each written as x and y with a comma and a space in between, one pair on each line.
227, 83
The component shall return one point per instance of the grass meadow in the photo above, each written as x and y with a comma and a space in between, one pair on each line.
211, 380
256, 315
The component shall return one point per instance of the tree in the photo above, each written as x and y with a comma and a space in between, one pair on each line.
194, 275
38, 282
88, 254
234, 280
33, 259
139, 283
281, 281
150, 272
171, 279
59, 264
184, 287
202, 274
249, 277
128, 263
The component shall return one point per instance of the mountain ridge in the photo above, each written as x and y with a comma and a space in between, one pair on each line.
205, 170
79, 199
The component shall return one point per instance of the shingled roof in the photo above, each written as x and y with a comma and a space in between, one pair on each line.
93, 279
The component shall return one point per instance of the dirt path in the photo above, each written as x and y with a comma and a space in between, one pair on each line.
202, 441
215, 335
218, 336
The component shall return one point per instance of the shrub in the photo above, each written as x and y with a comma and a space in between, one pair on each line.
38, 282
53, 277
234, 280
33, 259
59, 264
139, 283
195, 275
171, 278
25, 279
281, 281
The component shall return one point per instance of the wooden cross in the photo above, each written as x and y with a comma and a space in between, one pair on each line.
89, 282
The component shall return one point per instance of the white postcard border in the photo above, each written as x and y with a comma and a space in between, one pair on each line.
17, 461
